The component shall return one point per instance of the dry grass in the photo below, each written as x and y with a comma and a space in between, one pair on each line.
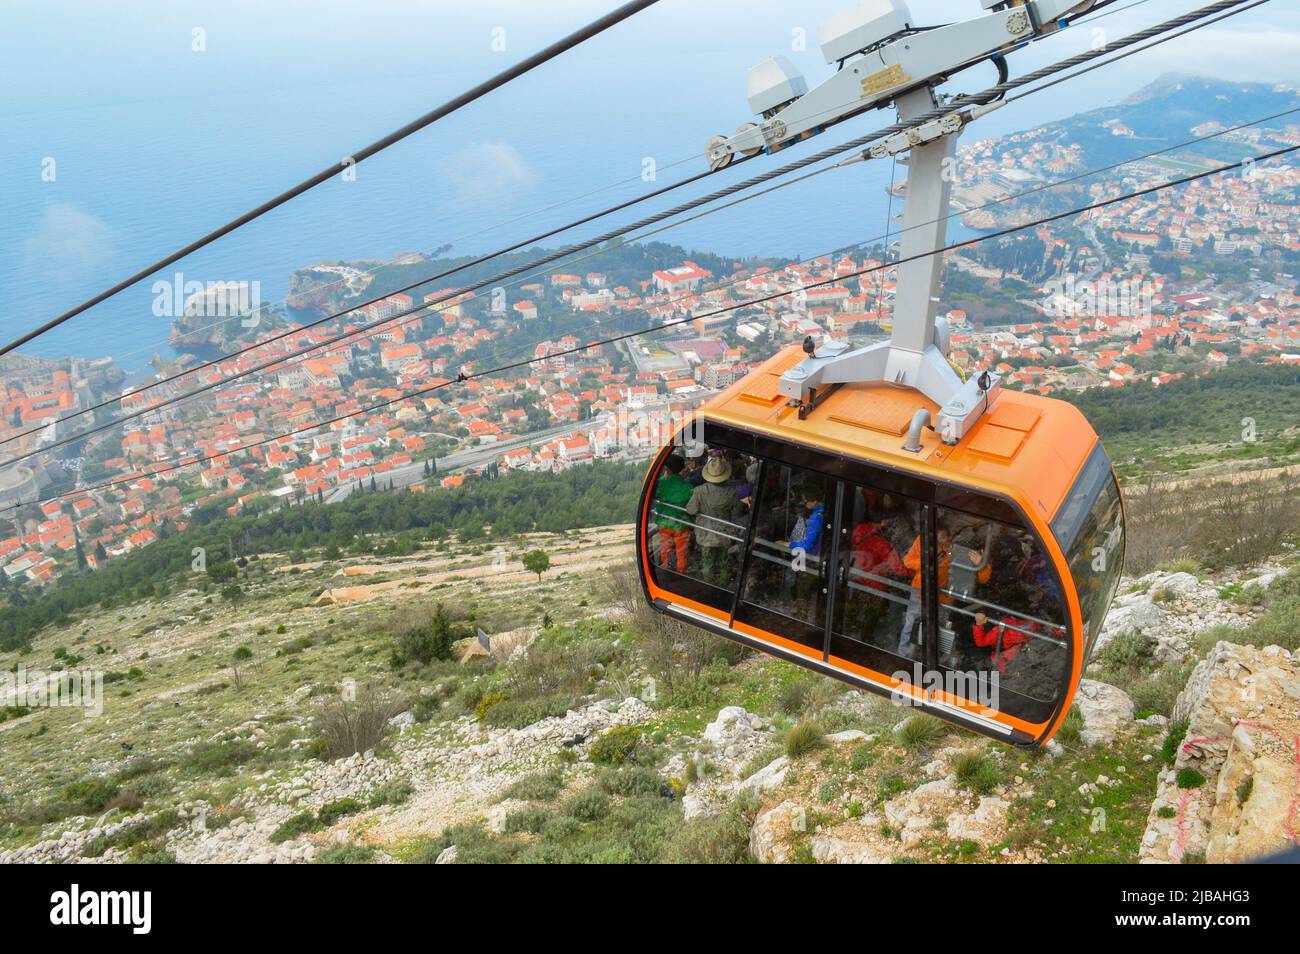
1219, 524
347, 727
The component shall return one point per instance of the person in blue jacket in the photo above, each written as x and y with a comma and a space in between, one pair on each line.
806, 547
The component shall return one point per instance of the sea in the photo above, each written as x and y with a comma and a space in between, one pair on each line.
128, 130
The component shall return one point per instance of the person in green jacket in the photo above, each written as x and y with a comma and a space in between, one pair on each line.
672, 493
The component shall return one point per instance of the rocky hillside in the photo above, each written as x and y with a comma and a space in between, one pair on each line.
331, 713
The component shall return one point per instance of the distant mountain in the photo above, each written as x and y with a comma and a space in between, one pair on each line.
1166, 111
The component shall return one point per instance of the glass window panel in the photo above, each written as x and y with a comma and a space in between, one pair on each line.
877, 607
699, 518
1001, 613
785, 584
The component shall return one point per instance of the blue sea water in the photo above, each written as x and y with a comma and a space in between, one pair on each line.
154, 142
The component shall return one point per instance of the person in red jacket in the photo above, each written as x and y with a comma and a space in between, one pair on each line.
874, 554
1004, 641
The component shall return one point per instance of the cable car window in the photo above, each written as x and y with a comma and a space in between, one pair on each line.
699, 517
1095, 551
785, 585
875, 592
1001, 613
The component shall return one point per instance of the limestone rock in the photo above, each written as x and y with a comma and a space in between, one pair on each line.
769, 839
987, 825
837, 851
1105, 708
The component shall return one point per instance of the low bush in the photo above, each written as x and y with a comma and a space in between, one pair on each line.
976, 772
589, 805
804, 737
220, 758
344, 727
616, 746
540, 787
347, 855
918, 732
396, 792
336, 810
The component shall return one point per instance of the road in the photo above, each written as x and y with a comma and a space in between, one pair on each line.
468, 460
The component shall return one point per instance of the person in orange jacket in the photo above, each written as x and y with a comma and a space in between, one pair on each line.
913, 562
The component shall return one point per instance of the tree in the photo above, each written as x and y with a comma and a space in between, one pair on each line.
242, 654
424, 642
536, 561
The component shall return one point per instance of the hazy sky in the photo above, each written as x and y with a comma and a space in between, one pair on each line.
157, 143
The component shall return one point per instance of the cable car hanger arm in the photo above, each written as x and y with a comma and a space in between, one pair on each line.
881, 55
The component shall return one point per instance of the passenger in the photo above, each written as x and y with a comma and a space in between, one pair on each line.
672, 494
745, 489
871, 553
1040, 665
805, 545
1004, 638
874, 554
718, 511
913, 562
807, 533
694, 473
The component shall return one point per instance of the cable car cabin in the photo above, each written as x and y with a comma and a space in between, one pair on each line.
969, 580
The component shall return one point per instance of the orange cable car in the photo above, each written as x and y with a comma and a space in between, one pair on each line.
871, 514
970, 580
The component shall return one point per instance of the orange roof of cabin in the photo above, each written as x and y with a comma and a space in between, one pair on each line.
1025, 446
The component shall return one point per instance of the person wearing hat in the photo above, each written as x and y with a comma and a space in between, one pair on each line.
717, 509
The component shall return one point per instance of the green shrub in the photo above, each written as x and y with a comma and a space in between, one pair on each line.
976, 772
474, 845
422, 639
1158, 692
616, 746
304, 823
518, 713
1280, 623
717, 840
1127, 650
220, 758
1071, 727
919, 731
862, 757
805, 736
1189, 778
589, 805
146, 831
396, 792
90, 796
296, 645
630, 781
530, 819
539, 787
560, 827
1173, 739
347, 855
337, 809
